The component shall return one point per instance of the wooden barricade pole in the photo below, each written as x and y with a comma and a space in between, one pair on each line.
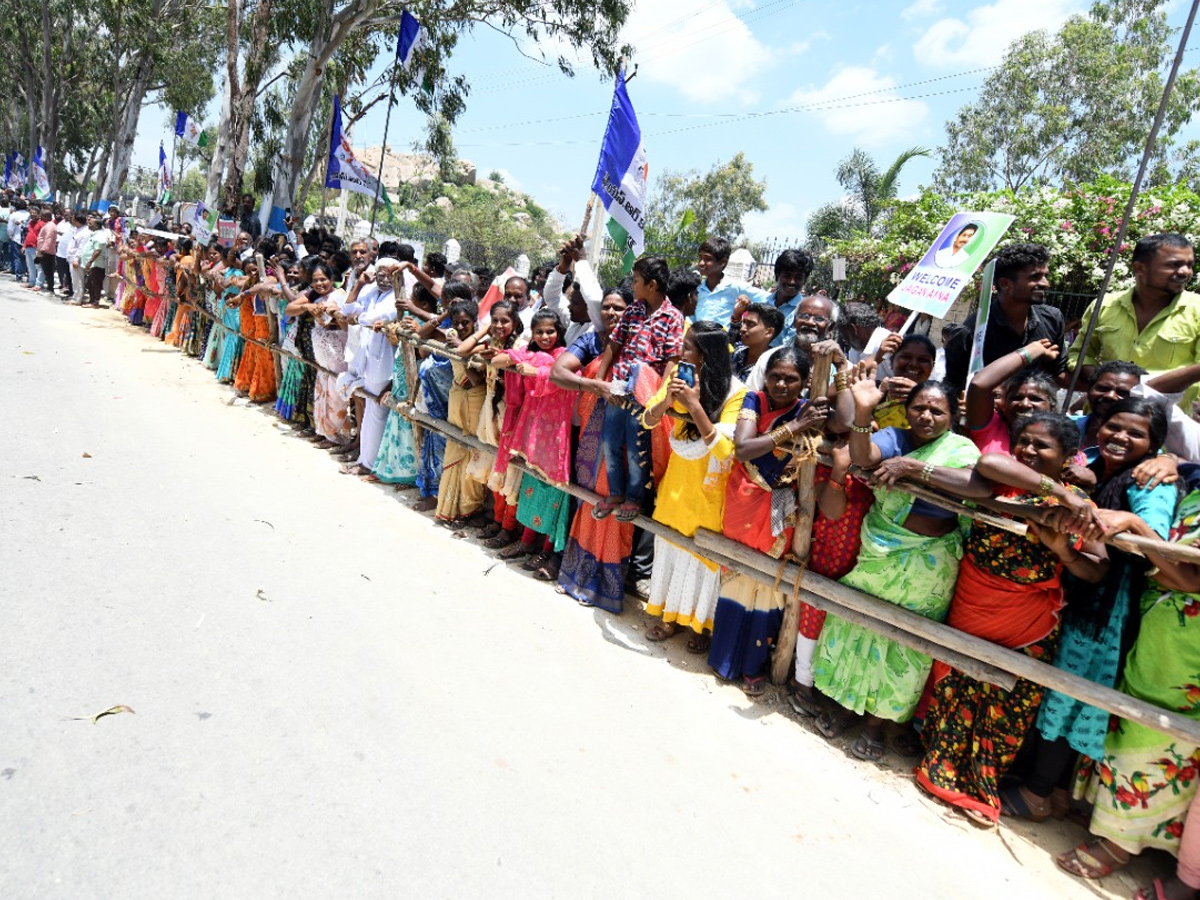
785, 643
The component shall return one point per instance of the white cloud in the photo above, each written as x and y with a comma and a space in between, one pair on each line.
700, 48
982, 35
921, 9
860, 102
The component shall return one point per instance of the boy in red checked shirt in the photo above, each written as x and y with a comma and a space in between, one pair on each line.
648, 338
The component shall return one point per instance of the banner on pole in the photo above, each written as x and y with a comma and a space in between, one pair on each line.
204, 222
164, 176
981, 320
226, 232
947, 267
41, 184
621, 176
345, 172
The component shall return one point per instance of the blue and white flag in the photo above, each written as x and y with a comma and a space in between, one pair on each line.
621, 176
41, 184
164, 176
345, 172
410, 40
189, 129
19, 175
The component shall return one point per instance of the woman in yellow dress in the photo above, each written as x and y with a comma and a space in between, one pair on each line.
683, 587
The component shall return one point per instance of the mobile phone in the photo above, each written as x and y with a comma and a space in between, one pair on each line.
686, 372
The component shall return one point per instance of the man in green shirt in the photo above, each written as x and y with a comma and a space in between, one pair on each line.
1156, 323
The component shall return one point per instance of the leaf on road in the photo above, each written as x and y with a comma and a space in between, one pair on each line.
265, 522
262, 596
30, 478
111, 711
87, 456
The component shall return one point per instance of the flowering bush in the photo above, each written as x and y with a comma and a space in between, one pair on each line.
1076, 224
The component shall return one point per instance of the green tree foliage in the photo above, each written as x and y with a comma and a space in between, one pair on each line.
717, 202
1076, 224
1073, 106
868, 191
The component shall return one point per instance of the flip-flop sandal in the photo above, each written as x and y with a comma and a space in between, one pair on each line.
1018, 803
627, 512
489, 531
370, 478
500, 540
805, 704
660, 633
978, 818
831, 724
754, 687
547, 573
535, 561
604, 509
1083, 863
513, 551
908, 743
868, 749
698, 643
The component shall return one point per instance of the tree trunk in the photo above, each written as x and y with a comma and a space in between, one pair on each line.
331, 32
126, 132
242, 104
216, 166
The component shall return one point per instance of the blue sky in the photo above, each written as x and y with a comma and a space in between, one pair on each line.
795, 84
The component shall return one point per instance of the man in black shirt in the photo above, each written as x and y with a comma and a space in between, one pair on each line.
1019, 316
249, 222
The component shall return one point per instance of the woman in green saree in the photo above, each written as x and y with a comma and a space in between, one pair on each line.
909, 557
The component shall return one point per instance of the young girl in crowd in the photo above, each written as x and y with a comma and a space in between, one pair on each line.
1023, 391
540, 435
705, 405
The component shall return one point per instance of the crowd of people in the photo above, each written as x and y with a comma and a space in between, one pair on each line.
685, 395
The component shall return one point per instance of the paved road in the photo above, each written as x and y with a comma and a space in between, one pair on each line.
333, 698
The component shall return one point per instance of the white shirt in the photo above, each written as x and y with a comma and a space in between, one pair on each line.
65, 232
374, 356
1183, 432
593, 296
78, 238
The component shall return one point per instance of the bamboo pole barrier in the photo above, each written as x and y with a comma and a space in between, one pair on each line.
871, 613
785, 643
974, 656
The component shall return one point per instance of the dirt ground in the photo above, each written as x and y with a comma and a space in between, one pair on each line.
334, 697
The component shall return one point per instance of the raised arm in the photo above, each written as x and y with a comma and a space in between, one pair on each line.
980, 403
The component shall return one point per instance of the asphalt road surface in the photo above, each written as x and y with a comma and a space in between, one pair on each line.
331, 697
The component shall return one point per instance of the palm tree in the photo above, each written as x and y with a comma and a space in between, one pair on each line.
867, 193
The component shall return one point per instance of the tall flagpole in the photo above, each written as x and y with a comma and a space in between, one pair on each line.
325, 177
383, 151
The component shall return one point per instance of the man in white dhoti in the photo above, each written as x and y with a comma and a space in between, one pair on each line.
370, 306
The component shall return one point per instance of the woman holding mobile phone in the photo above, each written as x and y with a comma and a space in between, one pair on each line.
684, 587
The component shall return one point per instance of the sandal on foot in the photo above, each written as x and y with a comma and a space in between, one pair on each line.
661, 632
627, 512
868, 749
1018, 802
1085, 862
370, 478
604, 509
833, 722
513, 551
501, 539
489, 531
805, 704
354, 469
754, 687
908, 743
425, 504
535, 561
1156, 891
548, 572
698, 643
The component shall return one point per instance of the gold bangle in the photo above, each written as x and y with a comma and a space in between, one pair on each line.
1045, 486
780, 435
927, 473
841, 382
861, 429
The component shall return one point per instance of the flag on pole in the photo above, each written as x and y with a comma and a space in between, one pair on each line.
345, 172
41, 184
164, 176
188, 129
19, 176
410, 40
621, 176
